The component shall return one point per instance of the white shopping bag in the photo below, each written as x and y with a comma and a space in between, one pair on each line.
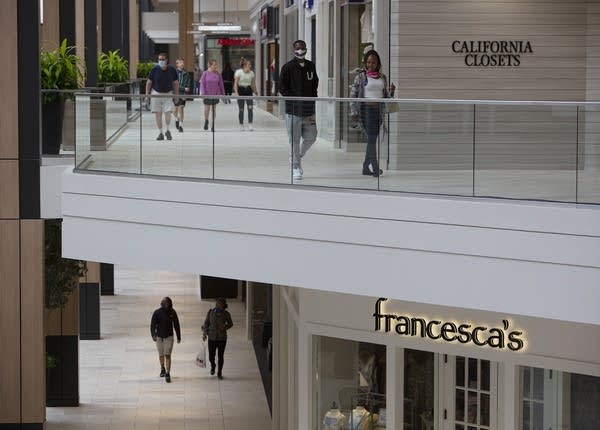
201, 357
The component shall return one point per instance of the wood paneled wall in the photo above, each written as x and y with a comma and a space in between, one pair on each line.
50, 29
424, 65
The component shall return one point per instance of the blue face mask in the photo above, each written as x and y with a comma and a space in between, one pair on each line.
162, 63
219, 311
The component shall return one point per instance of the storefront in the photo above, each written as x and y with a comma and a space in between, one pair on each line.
371, 363
228, 49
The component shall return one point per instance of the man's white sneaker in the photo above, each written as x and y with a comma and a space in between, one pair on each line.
242, 128
250, 128
297, 174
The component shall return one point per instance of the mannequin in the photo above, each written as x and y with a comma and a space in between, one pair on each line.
361, 418
334, 419
366, 24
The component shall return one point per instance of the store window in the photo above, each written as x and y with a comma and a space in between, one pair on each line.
349, 384
551, 399
419, 389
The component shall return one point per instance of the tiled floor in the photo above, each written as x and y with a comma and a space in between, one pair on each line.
119, 383
263, 156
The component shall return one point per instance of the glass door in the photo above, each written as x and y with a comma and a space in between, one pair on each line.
471, 394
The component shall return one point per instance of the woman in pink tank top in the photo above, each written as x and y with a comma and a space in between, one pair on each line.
211, 84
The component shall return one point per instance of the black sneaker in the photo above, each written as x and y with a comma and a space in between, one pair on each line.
167, 377
160, 137
168, 135
177, 124
205, 124
180, 128
163, 372
212, 370
220, 376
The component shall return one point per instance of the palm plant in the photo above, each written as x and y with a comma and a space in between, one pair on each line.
112, 67
61, 69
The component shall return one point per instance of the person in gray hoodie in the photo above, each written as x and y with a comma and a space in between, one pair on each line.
216, 324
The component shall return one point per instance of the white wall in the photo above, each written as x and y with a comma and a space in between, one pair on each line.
536, 259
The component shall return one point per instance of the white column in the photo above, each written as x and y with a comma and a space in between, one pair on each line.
507, 396
305, 379
395, 386
278, 358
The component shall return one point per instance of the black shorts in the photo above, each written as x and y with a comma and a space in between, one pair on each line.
180, 102
210, 102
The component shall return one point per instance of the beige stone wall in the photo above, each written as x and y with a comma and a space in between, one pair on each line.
424, 65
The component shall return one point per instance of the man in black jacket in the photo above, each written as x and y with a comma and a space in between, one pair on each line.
164, 319
298, 78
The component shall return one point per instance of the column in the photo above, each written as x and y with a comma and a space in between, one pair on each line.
186, 41
89, 303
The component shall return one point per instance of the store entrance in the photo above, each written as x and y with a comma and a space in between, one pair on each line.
449, 392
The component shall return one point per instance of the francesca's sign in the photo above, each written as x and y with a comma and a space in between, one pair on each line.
225, 41
492, 53
449, 331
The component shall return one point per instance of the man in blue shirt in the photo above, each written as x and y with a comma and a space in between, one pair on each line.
162, 81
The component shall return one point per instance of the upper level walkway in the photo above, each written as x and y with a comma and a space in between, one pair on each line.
527, 150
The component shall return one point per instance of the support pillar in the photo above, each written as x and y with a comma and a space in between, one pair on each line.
89, 303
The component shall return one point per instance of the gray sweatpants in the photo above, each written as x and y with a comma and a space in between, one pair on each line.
304, 127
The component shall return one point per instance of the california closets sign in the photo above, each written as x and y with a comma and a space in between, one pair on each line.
501, 337
492, 53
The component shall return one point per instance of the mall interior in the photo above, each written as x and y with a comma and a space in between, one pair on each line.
457, 290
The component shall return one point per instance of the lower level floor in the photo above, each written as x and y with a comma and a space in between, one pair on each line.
119, 383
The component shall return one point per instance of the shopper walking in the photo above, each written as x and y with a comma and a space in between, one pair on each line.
216, 324
211, 84
162, 81
298, 78
164, 319
228, 77
370, 83
185, 85
245, 85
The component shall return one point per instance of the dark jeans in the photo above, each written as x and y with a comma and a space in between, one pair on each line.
371, 119
245, 91
217, 346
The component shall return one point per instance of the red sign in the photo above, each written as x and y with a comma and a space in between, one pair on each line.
235, 42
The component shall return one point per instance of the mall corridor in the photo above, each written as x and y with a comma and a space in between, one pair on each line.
120, 387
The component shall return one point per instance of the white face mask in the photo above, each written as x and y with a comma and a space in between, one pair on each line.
300, 53
162, 63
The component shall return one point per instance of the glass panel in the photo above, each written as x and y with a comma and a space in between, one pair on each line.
472, 373
588, 163
526, 152
460, 371
459, 427
484, 418
419, 398
526, 415
485, 375
538, 416
472, 407
538, 384
526, 382
459, 412
428, 149
472, 428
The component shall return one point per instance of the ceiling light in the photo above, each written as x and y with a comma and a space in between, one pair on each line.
221, 26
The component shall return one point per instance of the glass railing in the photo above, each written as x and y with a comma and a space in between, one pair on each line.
535, 150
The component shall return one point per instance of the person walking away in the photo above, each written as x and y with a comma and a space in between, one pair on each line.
162, 80
185, 84
370, 83
228, 76
298, 78
164, 319
216, 324
245, 85
211, 84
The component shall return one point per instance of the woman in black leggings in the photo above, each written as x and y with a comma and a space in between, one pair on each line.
215, 327
245, 85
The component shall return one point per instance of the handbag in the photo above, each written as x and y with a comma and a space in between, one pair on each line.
392, 107
201, 357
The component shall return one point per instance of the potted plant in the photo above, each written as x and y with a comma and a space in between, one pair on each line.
61, 278
60, 69
142, 72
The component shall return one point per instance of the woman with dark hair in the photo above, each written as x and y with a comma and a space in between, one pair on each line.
370, 83
215, 327
164, 319
227, 75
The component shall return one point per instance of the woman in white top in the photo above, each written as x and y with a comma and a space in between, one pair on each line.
245, 85
370, 83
